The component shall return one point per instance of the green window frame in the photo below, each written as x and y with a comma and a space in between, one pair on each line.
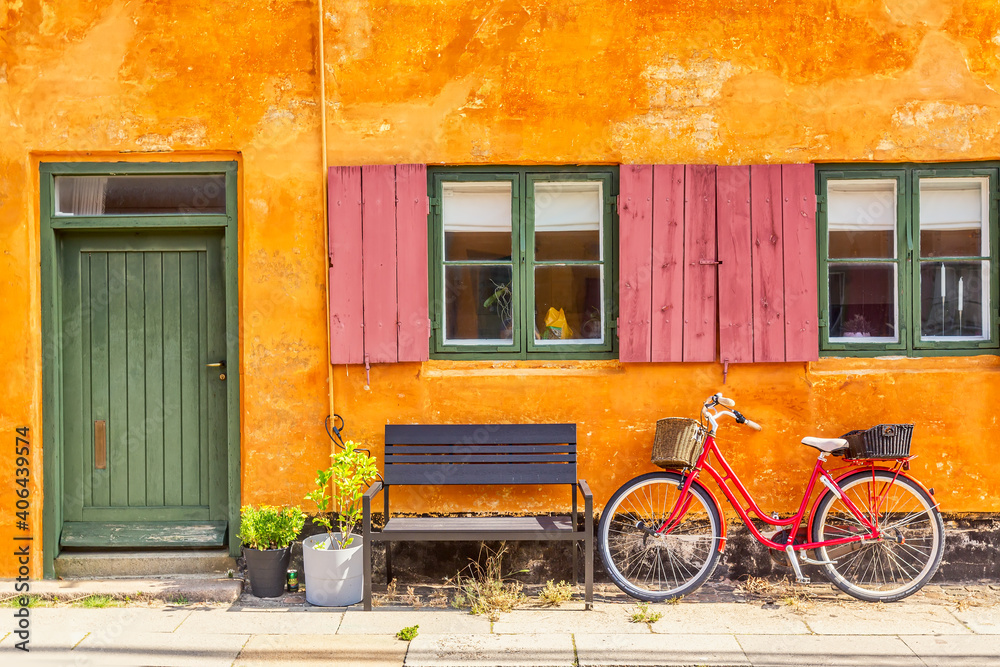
935, 294
521, 336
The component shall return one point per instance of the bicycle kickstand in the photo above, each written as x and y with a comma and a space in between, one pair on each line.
794, 560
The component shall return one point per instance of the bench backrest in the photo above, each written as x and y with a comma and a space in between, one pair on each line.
480, 454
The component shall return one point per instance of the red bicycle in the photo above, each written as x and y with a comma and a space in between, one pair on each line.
876, 531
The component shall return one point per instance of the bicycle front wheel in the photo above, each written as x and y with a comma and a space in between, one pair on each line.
652, 565
909, 550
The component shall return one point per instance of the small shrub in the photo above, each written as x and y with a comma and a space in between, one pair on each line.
408, 633
486, 590
555, 594
269, 527
642, 614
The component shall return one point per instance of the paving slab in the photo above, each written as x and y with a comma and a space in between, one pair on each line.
495, 650
956, 650
886, 619
260, 622
322, 651
613, 650
727, 618
604, 618
827, 650
157, 648
981, 620
389, 621
51, 641
111, 620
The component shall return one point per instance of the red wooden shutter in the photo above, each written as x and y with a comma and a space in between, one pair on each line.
699, 264
736, 269
635, 262
668, 263
800, 251
346, 298
768, 263
378, 264
411, 259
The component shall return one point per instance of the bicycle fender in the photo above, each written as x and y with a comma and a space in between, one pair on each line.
812, 512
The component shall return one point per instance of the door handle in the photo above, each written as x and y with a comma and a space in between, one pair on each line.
220, 365
100, 444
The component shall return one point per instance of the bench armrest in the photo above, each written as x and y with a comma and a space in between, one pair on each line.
585, 489
366, 506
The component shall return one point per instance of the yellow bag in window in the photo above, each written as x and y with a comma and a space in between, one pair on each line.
555, 324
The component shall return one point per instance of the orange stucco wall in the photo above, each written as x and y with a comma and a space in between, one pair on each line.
449, 82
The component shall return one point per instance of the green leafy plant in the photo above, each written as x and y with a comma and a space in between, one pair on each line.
270, 527
407, 633
555, 594
350, 473
642, 614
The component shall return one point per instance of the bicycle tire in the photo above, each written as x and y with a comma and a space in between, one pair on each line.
892, 568
657, 568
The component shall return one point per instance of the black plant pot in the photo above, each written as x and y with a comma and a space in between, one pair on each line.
267, 569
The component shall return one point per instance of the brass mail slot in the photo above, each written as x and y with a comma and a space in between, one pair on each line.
100, 444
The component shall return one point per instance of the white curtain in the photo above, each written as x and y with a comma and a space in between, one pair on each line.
81, 195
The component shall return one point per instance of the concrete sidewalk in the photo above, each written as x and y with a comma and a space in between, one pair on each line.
948, 630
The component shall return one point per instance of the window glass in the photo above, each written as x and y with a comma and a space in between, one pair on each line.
568, 221
951, 216
862, 219
140, 195
952, 303
568, 303
863, 302
478, 304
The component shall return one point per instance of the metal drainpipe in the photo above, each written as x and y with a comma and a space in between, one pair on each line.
326, 212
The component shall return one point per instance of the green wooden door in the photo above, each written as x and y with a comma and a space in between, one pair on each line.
144, 427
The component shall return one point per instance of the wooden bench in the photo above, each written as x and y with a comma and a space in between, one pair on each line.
480, 455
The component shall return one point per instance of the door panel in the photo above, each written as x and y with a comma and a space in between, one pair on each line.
142, 316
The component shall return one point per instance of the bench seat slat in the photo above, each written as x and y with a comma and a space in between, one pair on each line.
480, 473
480, 458
480, 449
469, 524
479, 434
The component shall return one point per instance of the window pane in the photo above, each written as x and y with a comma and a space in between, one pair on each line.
140, 195
477, 220
951, 217
952, 302
568, 303
862, 218
863, 302
568, 221
479, 304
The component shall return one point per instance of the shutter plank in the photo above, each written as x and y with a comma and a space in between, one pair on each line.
736, 270
699, 279
635, 262
768, 268
346, 293
411, 258
378, 243
800, 250
667, 329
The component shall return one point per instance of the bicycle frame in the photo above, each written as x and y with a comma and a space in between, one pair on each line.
819, 472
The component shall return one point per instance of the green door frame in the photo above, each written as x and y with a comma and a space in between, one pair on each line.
52, 409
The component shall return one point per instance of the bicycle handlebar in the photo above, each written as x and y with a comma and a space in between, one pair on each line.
713, 415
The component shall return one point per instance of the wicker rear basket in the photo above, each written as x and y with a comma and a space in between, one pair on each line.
885, 441
678, 442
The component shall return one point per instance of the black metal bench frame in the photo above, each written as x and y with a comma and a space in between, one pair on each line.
480, 454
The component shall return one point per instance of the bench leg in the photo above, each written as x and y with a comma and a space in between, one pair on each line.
588, 563
366, 553
576, 556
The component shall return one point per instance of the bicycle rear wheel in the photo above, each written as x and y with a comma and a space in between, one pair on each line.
912, 536
654, 567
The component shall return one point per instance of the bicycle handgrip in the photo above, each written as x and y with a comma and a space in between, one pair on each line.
752, 424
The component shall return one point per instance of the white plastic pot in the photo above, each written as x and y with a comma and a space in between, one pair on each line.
333, 577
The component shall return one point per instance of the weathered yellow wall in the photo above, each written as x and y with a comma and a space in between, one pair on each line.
717, 81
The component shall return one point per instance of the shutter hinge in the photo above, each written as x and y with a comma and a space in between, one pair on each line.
821, 202
434, 204
823, 324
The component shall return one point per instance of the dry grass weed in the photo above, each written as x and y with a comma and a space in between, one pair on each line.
485, 589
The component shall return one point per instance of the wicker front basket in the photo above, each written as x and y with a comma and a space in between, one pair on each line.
678, 442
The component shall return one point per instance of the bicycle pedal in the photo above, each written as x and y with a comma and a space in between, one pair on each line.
802, 580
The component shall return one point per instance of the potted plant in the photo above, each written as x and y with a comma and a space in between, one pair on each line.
858, 327
267, 532
332, 561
